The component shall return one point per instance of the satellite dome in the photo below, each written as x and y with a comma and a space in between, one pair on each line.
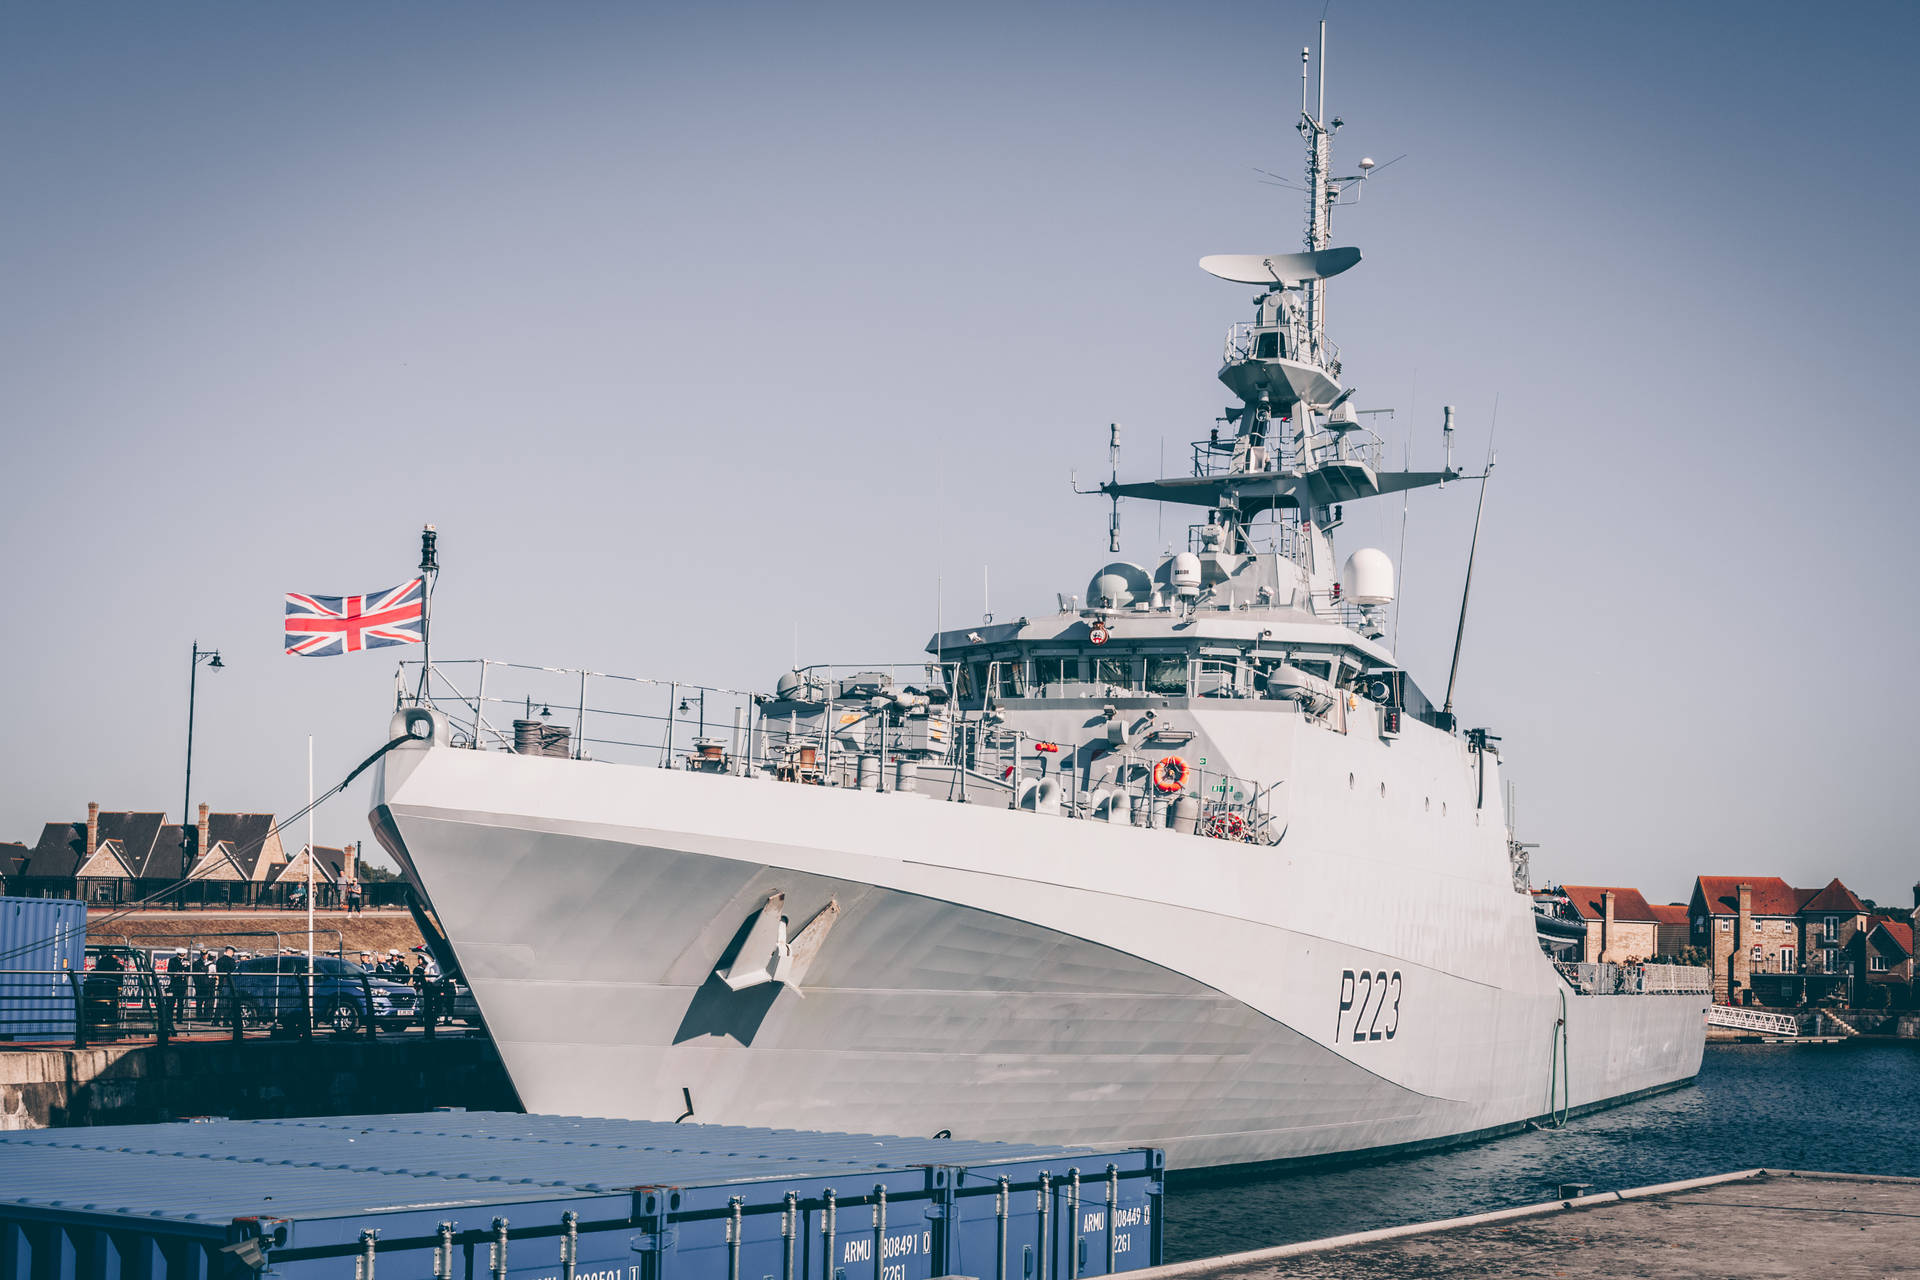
797, 686
1185, 574
1119, 586
1368, 577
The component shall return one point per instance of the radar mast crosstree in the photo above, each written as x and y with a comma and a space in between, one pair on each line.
1298, 449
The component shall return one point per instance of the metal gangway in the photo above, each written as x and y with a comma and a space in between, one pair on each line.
1773, 1024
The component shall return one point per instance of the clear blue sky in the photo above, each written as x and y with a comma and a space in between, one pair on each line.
686, 326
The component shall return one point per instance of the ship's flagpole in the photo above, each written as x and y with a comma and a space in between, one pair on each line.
429, 574
311, 853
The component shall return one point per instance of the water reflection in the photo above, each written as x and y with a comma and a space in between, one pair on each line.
1833, 1107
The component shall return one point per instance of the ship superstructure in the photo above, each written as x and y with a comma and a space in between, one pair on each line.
1189, 861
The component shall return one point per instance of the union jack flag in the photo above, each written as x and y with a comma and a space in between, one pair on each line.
322, 626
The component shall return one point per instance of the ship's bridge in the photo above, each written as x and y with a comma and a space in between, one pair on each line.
1212, 623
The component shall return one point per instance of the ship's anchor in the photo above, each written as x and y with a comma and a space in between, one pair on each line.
768, 955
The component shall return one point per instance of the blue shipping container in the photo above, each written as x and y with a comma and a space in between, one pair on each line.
42, 941
494, 1196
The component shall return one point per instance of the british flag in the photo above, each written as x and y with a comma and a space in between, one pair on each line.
322, 626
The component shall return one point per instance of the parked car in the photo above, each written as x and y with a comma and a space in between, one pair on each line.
273, 989
135, 986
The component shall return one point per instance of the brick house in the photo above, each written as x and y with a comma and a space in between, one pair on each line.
1787, 946
1621, 927
1830, 921
333, 870
1884, 954
1674, 932
115, 858
101, 860
243, 854
1749, 926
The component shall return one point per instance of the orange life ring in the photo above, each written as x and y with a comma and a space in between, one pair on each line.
1170, 774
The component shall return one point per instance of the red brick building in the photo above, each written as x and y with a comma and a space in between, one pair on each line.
1787, 946
1621, 927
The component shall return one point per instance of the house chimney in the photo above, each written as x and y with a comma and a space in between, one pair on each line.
1741, 966
1606, 924
200, 849
350, 863
93, 826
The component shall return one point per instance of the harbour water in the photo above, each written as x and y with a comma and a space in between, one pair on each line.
1841, 1108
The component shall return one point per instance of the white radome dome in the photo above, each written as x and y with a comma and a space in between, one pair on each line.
1368, 577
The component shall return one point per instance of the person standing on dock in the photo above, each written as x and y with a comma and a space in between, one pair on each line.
223, 982
177, 965
203, 986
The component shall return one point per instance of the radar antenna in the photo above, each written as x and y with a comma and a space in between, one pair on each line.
1113, 472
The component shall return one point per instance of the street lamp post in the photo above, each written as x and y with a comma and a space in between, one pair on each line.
212, 658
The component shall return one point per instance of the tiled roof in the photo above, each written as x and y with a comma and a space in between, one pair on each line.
1899, 932
1670, 912
245, 834
1628, 904
166, 860
1772, 896
12, 854
1835, 897
150, 845
136, 833
61, 848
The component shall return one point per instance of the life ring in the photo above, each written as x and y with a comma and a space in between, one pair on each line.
1170, 774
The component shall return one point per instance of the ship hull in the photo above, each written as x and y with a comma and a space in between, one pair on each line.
959, 989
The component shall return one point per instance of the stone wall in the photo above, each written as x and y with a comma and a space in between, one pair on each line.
373, 931
250, 1080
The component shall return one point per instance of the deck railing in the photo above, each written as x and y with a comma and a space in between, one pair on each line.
1609, 979
861, 743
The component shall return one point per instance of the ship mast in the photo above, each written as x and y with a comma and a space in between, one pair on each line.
1298, 450
1319, 136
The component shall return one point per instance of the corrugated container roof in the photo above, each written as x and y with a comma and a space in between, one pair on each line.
328, 1167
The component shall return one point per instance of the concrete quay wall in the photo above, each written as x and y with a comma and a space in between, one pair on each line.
253, 1079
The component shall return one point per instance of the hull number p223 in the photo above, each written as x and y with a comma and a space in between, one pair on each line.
1369, 1005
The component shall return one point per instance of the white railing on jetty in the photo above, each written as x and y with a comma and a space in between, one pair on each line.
1773, 1024
1680, 979
1635, 980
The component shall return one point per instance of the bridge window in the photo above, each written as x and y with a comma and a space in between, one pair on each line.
1167, 674
1114, 671
1217, 676
1013, 678
1054, 671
